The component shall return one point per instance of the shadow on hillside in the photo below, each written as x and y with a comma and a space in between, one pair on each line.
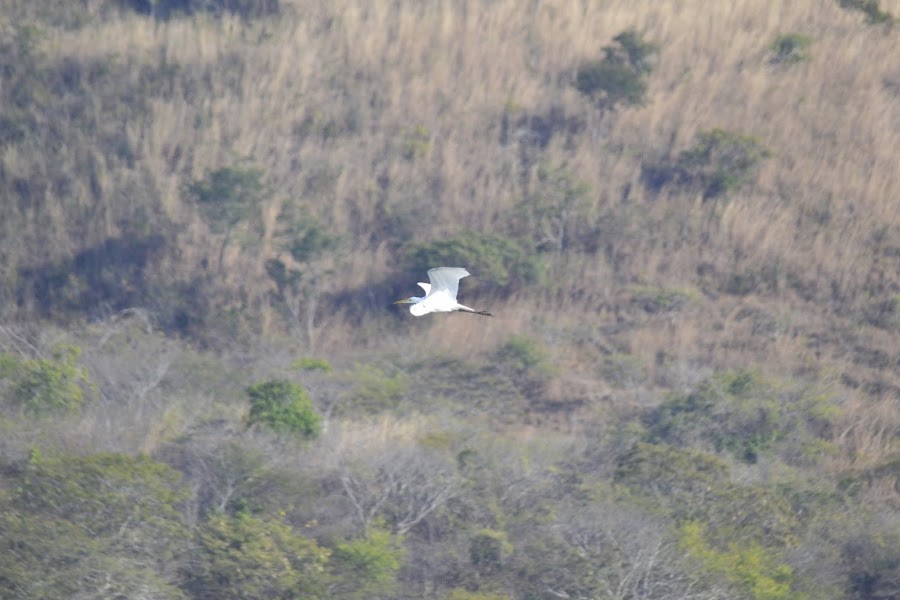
111, 276
166, 9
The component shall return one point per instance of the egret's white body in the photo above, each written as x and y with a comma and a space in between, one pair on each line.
440, 294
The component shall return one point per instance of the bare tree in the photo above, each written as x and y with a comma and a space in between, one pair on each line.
403, 486
611, 551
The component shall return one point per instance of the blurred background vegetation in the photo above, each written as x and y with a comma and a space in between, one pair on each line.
685, 216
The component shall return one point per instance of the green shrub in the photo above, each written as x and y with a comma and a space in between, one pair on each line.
523, 354
230, 197
24, 82
623, 370
498, 261
676, 474
790, 48
720, 162
244, 556
526, 363
299, 277
416, 143
872, 10
554, 215
884, 313
283, 406
70, 522
736, 412
368, 567
374, 390
610, 83
47, 386
300, 234
487, 549
754, 570
743, 414
312, 364
619, 77
654, 299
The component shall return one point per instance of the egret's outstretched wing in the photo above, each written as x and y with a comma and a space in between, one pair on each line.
425, 286
446, 279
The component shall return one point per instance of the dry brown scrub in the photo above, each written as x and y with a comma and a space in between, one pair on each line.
341, 88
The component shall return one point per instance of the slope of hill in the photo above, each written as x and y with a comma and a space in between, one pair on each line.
685, 216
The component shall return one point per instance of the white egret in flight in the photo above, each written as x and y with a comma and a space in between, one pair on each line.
440, 294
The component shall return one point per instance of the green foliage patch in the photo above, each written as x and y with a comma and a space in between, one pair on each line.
657, 299
620, 76
368, 567
244, 556
229, 197
312, 364
283, 406
487, 550
719, 163
374, 390
554, 215
73, 524
496, 260
872, 9
743, 414
790, 48
677, 474
441, 383
754, 570
47, 386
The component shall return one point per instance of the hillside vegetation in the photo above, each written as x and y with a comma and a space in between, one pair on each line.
684, 215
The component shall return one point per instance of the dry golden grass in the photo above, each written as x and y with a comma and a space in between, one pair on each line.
868, 433
343, 86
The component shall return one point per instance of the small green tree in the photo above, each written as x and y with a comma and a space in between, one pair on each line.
73, 525
790, 48
306, 258
487, 550
554, 213
498, 260
620, 76
52, 385
230, 197
720, 162
309, 363
678, 476
284, 407
367, 567
527, 364
745, 415
244, 556
416, 143
872, 10
523, 355
374, 390
752, 569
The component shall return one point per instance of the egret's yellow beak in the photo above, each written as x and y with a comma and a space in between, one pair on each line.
404, 301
